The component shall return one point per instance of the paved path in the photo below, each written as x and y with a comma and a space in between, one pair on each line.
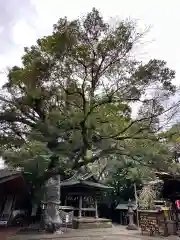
115, 233
6, 232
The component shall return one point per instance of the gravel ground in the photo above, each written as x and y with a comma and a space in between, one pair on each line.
114, 233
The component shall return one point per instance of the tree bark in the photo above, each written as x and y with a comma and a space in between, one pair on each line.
52, 219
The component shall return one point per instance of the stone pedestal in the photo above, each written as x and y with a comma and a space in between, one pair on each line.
131, 225
91, 223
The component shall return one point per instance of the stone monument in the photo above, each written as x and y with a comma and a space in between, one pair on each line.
131, 225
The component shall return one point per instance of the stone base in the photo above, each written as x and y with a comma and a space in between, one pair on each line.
58, 232
89, 223
132, 227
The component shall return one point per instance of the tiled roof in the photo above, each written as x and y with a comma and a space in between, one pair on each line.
7, 173
86, 179
85, 183
123, 206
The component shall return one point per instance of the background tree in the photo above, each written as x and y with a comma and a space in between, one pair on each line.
171, 139
72, 98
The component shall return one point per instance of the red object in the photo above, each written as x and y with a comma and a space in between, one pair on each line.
178, 203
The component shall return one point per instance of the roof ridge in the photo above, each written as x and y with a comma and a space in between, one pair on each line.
5, 172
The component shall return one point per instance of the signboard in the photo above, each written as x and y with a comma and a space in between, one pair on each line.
149, 223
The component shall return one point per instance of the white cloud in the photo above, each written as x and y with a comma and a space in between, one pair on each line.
1, 29
26, 37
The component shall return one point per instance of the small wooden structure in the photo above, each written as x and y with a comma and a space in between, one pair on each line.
171, 192
165, 217
155, 217
81, 194
122, 209
13, 192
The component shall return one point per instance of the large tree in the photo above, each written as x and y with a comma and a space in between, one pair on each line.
71, 101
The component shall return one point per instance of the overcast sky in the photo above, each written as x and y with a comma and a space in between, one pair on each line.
23, 21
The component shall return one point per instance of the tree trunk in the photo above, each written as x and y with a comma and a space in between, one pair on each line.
52, 220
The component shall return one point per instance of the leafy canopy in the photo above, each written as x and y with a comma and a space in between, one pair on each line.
70, 103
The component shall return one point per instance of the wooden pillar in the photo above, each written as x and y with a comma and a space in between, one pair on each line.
80, 206
96, 207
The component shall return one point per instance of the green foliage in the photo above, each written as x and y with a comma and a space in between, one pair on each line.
147, 197
122, 178
74, 95
171, 139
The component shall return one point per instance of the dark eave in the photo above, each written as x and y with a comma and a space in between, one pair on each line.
9, 178
7, 173
167, 176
